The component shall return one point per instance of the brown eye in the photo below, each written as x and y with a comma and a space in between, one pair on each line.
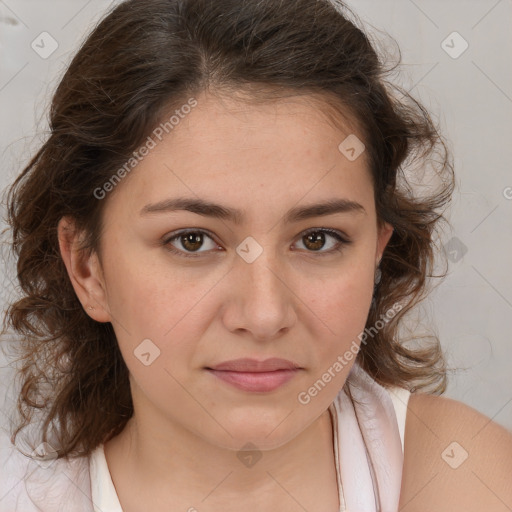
192, 241
316, 239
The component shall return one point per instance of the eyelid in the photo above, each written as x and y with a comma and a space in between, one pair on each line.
166, 241
342, 238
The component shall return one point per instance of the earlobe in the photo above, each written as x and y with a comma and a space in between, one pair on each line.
84, 272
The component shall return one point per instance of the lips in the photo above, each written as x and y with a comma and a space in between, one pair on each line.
255, 376
253, 365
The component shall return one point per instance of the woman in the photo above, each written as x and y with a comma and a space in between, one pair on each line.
217, 246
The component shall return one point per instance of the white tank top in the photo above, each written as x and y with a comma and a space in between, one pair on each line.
105, 498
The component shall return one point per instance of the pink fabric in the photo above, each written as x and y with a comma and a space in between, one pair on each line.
369, 446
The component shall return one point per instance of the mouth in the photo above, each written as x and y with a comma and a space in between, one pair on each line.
255, 376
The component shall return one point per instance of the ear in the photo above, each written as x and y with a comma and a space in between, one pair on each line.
384, 234
84, 272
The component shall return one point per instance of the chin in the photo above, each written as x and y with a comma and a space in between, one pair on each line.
264, 434
253, 441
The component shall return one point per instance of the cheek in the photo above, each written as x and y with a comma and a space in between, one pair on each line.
339, 310
151, 298
154, 319
168, 307
343, 302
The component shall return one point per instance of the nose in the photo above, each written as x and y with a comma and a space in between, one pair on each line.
261, 301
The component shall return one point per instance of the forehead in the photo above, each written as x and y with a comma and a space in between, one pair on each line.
250, 121
252, 153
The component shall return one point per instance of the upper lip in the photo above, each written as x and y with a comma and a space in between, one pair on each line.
253, 365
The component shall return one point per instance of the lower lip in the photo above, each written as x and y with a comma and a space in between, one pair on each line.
255, 381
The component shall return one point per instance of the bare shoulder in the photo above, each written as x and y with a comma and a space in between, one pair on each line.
455, 458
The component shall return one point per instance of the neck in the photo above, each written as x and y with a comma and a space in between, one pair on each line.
173, 465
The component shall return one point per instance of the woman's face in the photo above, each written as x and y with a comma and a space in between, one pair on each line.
254, 286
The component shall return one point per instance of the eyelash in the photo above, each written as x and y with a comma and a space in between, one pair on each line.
342, 240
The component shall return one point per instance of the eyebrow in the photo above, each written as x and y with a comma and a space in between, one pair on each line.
210, 209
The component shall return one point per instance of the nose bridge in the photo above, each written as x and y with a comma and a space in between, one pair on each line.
261, 292
260, 268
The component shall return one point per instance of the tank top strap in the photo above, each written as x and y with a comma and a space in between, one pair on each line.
400, 398
368, 444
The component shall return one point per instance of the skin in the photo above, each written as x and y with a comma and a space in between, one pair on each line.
181, 445
482, 481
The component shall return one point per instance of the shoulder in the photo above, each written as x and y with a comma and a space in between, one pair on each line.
455, 458
51, 485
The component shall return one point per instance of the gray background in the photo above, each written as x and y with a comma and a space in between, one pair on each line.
468, 94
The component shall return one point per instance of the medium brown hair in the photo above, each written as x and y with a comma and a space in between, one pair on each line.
143, 60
